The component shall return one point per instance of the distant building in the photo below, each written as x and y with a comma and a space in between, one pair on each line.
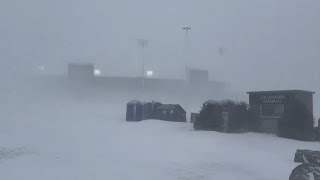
86, 75
269, 106
80, 71
197, 76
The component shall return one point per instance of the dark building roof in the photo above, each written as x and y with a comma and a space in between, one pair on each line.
281, 91
170, 107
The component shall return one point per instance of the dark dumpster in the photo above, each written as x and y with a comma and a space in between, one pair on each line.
170, 112
149, 109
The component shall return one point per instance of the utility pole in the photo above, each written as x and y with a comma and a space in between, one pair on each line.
187, 29
143, 43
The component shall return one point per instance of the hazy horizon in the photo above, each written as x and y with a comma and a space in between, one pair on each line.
267, 44
57, 124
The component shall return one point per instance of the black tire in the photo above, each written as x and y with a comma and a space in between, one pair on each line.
306, 171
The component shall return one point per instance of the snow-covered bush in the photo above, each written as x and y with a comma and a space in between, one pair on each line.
224, 116
210, 117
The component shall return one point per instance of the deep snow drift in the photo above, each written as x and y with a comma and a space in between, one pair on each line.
58, 138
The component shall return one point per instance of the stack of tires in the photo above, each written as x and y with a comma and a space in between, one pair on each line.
310, 167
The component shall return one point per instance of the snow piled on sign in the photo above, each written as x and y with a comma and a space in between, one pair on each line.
87, 139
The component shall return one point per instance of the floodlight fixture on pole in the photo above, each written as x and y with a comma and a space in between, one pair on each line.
143, 43
187, 51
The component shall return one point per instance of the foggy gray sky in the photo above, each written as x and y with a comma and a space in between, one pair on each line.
270, 44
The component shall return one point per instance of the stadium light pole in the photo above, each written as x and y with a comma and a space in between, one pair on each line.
143, 43
187, 29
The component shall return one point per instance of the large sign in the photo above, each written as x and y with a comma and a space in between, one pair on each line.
273, 99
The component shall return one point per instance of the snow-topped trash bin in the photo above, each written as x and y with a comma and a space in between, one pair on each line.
134, 111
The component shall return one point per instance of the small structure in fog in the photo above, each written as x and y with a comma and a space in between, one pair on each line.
134, 111
287, 113
81, 71
170, 112
138, 111
197, 76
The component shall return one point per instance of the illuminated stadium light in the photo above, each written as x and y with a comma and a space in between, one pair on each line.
149, 73
41, 68
97, 72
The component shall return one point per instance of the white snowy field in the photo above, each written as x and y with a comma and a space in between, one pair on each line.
48, 131
83, 140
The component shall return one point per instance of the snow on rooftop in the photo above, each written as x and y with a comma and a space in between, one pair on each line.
211, 102
134, 102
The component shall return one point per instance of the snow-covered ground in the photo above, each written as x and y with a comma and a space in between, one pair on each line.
80, 139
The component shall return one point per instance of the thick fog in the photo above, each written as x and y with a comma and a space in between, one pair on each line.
249, 45
265, 44
55, 127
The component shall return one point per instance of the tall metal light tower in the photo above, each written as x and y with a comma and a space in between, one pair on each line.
143, 43
187, 29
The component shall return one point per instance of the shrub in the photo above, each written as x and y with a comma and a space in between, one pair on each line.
209, 117
238, 118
